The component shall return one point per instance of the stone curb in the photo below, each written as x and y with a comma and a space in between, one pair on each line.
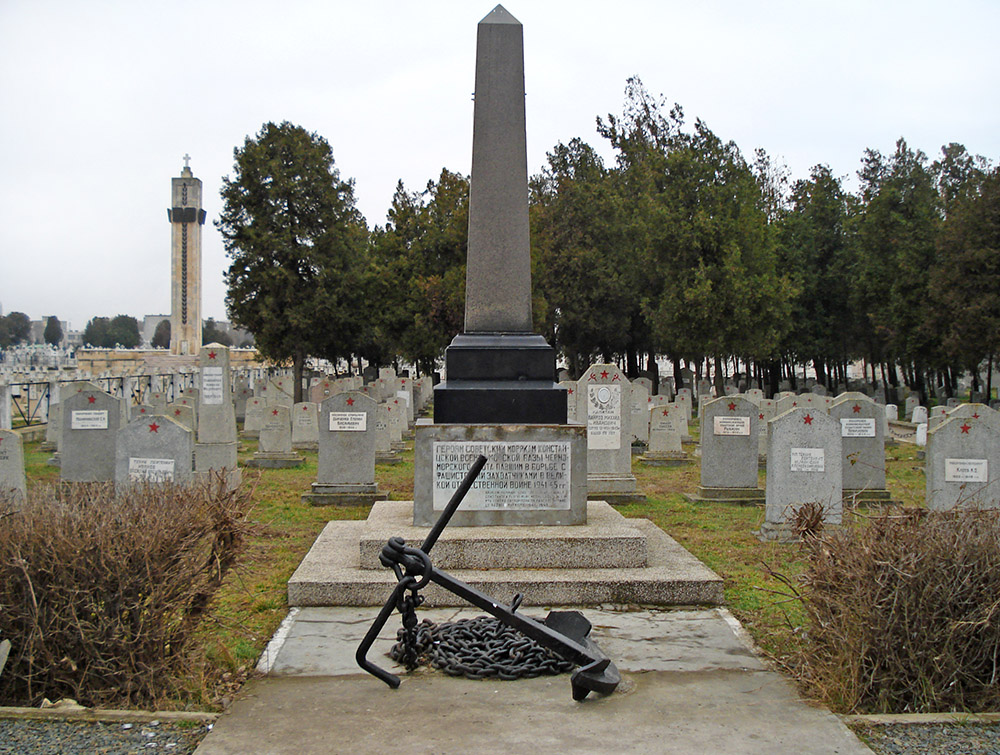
79, 713
920, 718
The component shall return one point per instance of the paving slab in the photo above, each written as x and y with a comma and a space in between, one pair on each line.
690, 684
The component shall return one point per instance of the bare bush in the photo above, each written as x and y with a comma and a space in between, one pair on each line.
101, 590
903, 613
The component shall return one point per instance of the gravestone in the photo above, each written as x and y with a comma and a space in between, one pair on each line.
274, 446
154, 449
384, 452
182, 413
603, 401
919, 415
639, 419
91, 419
241, 394
666, 427
729, 445
215, 446
936, 416
862, 436
912, 402
305, 425
804, 454
683, 400
963, 463
570, 387
645, 382
254, 420
346, 461
53, 425
13, 484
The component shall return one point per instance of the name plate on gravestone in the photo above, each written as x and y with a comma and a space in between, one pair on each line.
732, 426
518, 475
211, 385
966, 470
348, 421
808, 460
857, 428
604, 419
89, 419
159, 470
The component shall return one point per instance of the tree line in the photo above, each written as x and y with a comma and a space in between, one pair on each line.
684, 248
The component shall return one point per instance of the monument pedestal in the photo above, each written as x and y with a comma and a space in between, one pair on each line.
214, 456
677, 459
610, 559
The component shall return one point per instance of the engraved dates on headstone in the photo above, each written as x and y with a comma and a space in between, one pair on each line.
212, 391
348, 421
724, 425
89, 419
807, 460
966, 470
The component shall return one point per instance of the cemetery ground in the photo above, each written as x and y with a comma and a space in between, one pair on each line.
759, 577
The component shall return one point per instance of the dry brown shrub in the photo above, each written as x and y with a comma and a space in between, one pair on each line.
101, 590
903, 613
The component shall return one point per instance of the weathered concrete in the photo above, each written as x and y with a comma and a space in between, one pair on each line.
690, 684
331, 575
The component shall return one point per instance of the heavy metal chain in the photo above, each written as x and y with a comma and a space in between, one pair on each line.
476, 649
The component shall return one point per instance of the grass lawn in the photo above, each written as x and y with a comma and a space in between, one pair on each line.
252, 602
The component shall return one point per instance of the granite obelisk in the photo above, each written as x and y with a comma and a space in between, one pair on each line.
498, 371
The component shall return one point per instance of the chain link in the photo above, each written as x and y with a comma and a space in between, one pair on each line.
477, 648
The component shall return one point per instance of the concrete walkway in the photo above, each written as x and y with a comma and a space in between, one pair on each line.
690, 684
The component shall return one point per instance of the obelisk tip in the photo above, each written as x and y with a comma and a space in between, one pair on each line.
500, 15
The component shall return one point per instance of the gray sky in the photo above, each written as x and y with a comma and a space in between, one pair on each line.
102, 99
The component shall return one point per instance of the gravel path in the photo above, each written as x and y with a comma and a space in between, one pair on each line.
917, 739
32, 737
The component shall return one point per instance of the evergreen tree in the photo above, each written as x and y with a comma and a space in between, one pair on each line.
297, 245
53, 333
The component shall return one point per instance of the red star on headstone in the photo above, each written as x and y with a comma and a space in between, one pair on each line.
795, 403
760, 416
154, 428
966, 427
732, 406
274, 413
305, 408
808, 419
177, 412
570, 391
142, 411
665, 412
91, 399
976, 415
604, 375
350, 402
211, 355
857, 408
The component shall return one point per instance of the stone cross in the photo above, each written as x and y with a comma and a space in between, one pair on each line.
187, 160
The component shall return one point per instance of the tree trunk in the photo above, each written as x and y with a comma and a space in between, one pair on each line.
678, 380
298, 362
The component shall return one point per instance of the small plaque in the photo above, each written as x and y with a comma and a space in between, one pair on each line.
405, 395
966, 470
727, 425
808, 460
519, 476
356, 422
212, 390
89, 419
153, 470
604, 417
857, 428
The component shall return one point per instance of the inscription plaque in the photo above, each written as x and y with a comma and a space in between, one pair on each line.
89, 419
604, 417
519, 476
153, 470
966, 470
808, 460
211, 385
732, 426
857, 428
348, 421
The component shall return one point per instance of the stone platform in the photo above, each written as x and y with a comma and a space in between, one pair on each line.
610, 559
739, 496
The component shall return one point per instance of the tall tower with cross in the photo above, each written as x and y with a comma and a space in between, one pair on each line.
186, 219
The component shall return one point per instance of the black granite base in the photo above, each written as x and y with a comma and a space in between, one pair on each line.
500, 379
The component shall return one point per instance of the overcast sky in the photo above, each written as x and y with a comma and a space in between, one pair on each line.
100, 101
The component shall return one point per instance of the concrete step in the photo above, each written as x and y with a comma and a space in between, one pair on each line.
606, 541
331, 573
